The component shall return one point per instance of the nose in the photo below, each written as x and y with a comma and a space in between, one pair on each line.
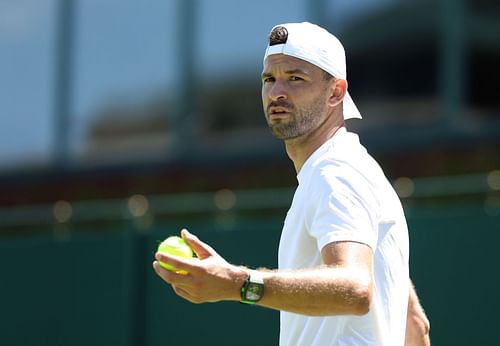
277, 91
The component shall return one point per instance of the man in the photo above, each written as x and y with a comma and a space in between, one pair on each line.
343, 275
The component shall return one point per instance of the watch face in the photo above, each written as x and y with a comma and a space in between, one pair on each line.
254, 291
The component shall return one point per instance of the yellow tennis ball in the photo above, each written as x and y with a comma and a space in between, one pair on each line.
176, 246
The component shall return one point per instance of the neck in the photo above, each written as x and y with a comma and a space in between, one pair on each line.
301, 148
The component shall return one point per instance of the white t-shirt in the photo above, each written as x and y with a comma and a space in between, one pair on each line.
343, 195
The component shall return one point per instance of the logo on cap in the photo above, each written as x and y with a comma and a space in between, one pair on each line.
279, 35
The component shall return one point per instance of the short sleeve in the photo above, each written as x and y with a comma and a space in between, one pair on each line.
344, 209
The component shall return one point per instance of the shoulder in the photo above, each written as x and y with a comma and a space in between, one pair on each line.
340, 176
338, 187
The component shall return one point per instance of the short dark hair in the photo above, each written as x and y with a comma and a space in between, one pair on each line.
278, 35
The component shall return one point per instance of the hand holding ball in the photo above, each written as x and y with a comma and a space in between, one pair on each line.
176, 246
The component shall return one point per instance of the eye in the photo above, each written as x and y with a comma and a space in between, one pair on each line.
267, 79
296, 78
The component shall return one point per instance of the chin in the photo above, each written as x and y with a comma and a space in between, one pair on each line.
283, 135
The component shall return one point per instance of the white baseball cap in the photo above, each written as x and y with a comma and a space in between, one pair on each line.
317, 46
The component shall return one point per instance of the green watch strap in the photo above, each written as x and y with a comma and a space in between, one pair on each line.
252, 289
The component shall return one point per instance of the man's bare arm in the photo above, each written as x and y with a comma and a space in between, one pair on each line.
343, 285
417, 323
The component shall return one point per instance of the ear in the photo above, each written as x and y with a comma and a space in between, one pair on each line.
338, 91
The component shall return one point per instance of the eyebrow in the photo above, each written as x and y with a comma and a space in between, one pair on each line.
294, 71
266, 75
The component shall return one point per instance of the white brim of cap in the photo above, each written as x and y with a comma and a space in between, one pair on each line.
350, 109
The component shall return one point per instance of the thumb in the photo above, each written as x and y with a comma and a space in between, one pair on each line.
201, 249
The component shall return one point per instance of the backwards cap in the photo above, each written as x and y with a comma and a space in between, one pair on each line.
317, 46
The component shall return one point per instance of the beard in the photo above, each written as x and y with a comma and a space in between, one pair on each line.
301, 120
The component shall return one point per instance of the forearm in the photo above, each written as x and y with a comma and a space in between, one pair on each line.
342, 286
318, 292
417, 323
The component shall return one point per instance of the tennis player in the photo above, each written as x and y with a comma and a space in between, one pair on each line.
343, 276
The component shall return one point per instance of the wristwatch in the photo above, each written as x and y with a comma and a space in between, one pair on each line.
253, 288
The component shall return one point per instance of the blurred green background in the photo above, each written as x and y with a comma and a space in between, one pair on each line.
123, 121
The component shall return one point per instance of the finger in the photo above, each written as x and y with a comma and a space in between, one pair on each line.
171, 277
164, 274
201, 249
185, 264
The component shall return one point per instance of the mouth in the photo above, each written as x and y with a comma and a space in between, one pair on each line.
278, 113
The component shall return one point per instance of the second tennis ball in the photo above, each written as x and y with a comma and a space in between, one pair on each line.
176, 246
